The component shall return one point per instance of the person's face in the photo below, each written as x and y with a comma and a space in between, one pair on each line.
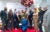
45, 8
5, 9
39, 8
22, 11
23, 17
10, 11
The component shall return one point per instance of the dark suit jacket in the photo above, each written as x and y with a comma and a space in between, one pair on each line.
40, 16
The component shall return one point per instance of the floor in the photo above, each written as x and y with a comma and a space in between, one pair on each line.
19, 30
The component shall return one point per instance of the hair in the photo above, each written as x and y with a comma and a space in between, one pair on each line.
35, 10
10, 11
5, 8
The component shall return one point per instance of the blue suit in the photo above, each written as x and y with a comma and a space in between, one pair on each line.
24, 24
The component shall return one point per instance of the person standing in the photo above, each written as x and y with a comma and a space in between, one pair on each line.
16, 20
24, 22
30, 17
40, 18
10, 18
3, 16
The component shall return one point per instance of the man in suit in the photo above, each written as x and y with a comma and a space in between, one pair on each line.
16, 20
3, 16
40, 18
30, 17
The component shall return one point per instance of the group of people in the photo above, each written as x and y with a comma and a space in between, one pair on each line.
15, 20
20, 19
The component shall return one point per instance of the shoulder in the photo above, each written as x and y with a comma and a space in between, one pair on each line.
2, 11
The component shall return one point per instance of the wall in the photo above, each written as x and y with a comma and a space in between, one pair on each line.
1, 6
18, 6
11, 5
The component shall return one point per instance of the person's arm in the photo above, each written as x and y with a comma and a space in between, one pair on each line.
1, 14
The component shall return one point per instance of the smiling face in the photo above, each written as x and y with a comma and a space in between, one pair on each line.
10, 11
45, 8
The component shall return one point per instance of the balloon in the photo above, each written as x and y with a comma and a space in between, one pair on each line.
27, 2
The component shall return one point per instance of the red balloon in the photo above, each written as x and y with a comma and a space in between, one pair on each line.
27, 2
